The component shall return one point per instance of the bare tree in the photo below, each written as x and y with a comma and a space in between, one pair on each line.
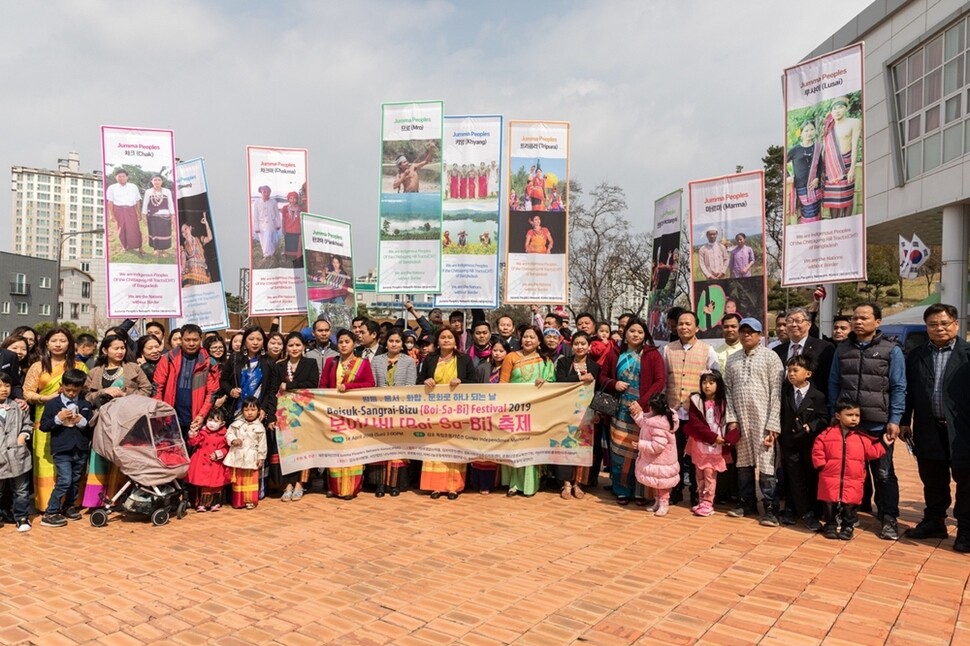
597, 234
929, 269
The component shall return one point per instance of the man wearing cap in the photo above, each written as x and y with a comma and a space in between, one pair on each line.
714, 258
266, 222
753, 380
407, 172
123, 200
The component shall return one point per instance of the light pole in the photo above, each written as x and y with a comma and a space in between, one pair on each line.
61, 237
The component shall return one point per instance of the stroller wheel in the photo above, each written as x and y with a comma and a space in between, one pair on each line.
99, 518
180, 509
159, 517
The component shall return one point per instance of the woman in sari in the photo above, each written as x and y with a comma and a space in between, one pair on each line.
528, 365
446, 366
297, 372
252, 374
114, 375
346, 372
579, 367
639, 374
481, 473
42, 384
394, 368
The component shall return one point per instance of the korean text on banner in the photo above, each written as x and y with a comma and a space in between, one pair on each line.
140, 211
537, 247
409, 223
278, 195
824, 207
328, 255
511, 424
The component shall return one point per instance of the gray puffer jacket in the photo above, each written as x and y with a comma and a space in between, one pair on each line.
14, 459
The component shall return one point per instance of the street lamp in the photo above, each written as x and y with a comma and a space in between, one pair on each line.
62, 236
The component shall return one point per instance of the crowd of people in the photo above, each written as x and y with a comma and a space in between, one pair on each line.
809, 422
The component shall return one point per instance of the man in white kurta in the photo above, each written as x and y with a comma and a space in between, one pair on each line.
713, 257
267, 221
753, 381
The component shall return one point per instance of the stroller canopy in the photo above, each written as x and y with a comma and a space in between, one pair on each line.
142, 437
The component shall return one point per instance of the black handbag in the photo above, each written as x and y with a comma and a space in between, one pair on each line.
605, 403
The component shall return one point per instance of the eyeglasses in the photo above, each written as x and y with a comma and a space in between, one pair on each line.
796, 321
941, 325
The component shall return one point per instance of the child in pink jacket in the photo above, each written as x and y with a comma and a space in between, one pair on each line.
657, 463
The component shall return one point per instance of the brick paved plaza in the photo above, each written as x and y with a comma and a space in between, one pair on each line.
479, 570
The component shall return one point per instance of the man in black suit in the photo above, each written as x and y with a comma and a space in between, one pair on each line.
67, 418
798, 323
370, 346
937, 420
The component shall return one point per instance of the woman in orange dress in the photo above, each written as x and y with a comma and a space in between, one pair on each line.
538, 239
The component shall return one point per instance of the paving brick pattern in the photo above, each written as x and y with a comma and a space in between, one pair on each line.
480, 570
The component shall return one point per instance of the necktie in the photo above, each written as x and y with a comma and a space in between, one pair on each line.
798, 398
796, 349
367, 353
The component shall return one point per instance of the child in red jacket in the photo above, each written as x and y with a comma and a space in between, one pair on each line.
841, 452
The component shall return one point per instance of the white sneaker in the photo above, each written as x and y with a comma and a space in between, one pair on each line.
23, 526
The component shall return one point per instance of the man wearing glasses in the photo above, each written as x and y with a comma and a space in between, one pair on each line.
937, 420
797, 323
871, 369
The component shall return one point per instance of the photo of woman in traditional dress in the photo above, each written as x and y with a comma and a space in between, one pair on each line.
157, 207
292, 237
538, 239
195, 269
804, 157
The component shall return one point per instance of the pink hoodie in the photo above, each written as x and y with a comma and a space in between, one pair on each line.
657, 463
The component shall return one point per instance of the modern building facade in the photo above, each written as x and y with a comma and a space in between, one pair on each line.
27, 292
49, 203
917, 127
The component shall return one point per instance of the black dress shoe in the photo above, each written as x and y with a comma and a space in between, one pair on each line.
927, 528
831, 531
395, 492
787, 517
435, 495
962, 542
452, 495
845, 534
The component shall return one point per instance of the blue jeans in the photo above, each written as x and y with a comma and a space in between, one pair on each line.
68, 467
20, 486
767, 484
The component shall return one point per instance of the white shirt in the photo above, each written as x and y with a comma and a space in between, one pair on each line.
127, 195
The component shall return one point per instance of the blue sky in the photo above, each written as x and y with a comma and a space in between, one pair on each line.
658, 93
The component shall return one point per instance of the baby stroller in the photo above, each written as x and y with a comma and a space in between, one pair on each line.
142, 436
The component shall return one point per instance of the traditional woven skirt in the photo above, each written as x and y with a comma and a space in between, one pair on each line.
245, 487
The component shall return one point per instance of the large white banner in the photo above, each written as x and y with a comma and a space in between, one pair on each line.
825, 224
278, 195
727, 231
203, 295
409, 224
140, 210
472, 159
328, 250
537, 248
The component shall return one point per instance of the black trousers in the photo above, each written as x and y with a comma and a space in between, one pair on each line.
936, 475
842, 514
801, 478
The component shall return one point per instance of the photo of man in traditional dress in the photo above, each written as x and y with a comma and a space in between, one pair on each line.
407, 180
840, 152
713, 256
267, 222
123, 200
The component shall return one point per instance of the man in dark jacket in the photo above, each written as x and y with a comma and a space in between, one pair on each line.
871, 370
798, 322
937, 418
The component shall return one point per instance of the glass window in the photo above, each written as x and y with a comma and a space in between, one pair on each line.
932, 118
915, 96
916, 65
954, 40
952, 108
952, 142
934, 54
914, 160
953, 75
6, 307
914, 128
933, 86
932, 149
23, 309
45, 310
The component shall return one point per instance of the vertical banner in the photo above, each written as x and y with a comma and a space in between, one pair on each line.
277, 197
727, 241
409, 224
537, 247
666, 247
329, 268
825, 222
140, 209
471, 158
203, 296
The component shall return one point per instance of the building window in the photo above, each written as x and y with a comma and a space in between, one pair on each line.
45, 281
23, 309
932, 88
19, 285
45, 310
75, 309
60, 310
85, 289
6, 307
85, 308
86, 267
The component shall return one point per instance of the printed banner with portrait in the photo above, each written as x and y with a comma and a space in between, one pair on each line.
727, 241
328, 251
140, 212
203, 296
277, 197
666, 247
825, 222
471, 157
510, 424
409, 224
536, 245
